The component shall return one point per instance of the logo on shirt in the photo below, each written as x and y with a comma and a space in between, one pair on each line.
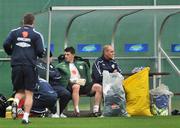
25, 34
80, 67
74, 72
24, 39
23, 44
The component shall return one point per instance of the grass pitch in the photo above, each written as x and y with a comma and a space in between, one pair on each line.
106, 122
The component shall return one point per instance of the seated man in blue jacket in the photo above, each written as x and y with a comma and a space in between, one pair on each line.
105, 62
44, 97
54, 76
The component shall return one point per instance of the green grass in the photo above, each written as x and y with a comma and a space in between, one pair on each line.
108, 122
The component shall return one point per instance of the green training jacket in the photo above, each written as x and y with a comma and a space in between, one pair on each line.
81, 66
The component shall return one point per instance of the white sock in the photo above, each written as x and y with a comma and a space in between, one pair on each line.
96, 108
26, 116
77, 109
17, 101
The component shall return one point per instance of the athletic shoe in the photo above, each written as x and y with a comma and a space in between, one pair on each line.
25, 122
63, 116
127, 115
14, 110
96, 114
101, 116
54, 115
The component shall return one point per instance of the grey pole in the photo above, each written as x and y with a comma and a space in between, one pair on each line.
48, 46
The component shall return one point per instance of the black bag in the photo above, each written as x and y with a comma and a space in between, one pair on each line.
3, 105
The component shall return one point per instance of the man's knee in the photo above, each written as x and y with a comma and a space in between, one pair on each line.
64, 94
28, 95
97, 88
76, 88
67, 95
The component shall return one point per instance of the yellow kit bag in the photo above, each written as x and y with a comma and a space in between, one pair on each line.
137, 93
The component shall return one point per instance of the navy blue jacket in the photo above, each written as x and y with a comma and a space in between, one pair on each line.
24, 44
100, 65
54, 74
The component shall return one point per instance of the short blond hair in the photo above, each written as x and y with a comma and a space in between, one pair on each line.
105, 48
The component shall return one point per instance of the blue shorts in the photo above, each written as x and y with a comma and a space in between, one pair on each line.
24, 78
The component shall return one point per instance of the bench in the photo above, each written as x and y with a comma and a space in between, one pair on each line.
152, 74
91, 104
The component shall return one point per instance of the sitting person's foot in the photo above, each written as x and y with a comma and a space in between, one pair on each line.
25, 122
96, 114
63, 116
76, 114
126, 115
54, 115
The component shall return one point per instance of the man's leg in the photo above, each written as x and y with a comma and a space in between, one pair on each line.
28, 104
75, 97
30, 80
18, 96
97, 88
64, 95
18, 86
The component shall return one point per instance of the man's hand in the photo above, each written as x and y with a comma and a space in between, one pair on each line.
115, 71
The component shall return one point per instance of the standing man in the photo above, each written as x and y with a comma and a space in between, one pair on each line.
75, 75
24, 45
105, 62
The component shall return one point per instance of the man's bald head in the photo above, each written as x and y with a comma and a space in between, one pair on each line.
108, 52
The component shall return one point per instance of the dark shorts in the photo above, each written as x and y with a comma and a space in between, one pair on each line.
84, 90
24, 78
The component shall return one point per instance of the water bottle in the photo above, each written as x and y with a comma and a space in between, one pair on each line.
9, 112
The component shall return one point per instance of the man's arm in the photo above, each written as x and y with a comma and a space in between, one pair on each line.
40, 46
7, 45
87, 73
96, 72
42, 68
54, 73
117, 67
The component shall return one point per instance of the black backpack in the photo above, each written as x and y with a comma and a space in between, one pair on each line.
3, 105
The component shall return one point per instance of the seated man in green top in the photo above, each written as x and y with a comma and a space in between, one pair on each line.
76, 77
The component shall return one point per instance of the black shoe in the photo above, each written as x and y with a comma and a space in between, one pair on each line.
14, 110
76, 114
25, 122
96, 114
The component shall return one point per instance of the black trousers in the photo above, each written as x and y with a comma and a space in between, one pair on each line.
48, 101
64, 95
